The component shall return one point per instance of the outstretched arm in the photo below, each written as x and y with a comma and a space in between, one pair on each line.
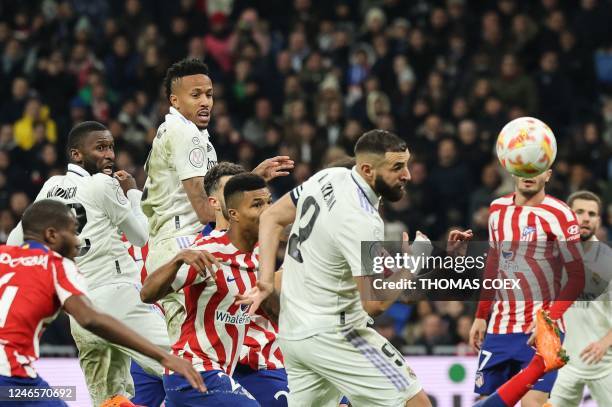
160, 283
271, 225
115, 331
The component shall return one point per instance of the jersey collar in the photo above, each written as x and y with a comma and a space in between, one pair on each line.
367, 190
175, 112
33, 244
78, 170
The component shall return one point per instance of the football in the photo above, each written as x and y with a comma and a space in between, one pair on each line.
526, 147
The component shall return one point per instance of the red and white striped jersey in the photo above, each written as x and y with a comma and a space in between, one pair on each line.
261, 350
139, 254
525, 240
214, 329
34, 283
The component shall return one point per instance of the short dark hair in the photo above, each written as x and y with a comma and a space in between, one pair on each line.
239, 184
81, 131
44, 214
587, 196
184, 67
214, 175
379, 142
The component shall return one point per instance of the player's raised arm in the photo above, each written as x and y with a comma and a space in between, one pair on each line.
271, 225
115, 331
274, 167
136, 226
186, 268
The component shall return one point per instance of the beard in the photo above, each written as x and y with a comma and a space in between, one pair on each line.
91, 166
586, 236
391, 194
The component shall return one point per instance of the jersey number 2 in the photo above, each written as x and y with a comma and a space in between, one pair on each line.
81, 217
304, 232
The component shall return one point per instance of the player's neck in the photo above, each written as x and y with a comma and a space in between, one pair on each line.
533, 200
221, 223
241, 239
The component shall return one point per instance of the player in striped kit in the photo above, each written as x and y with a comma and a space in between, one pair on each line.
260, 368
533, 237
51, 242
588, 321
213, 332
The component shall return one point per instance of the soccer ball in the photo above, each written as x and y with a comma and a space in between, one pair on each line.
526, 147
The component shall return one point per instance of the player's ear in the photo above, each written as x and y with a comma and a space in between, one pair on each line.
75, 155
174, 101
367, 170
214, 203
50, 236
233, 215
548, 175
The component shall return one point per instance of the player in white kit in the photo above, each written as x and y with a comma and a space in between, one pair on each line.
173, 199
329, 350
104, 212
588, 322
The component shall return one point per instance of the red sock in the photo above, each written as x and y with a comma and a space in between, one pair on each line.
515, 388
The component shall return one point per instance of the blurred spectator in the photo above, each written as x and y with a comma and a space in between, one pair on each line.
385, 326
434, 332
14, 106
255, 127
34, 114
515, 88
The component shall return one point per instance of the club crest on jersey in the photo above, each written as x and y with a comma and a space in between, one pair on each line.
528, 234
479, 379
196, 157
573, 230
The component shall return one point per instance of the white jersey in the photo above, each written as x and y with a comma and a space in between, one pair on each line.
590, 319
180, 151
336, 211
100, 205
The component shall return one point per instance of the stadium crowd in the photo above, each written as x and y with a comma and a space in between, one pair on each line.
305, 78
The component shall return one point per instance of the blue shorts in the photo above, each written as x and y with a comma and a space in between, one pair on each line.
149, 388
269, 387
222, 391
501, 357
37, 383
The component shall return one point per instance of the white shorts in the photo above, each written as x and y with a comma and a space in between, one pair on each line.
358, 363
569, 388
106, 366
161, 252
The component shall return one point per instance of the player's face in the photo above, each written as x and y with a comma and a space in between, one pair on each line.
589, 220
532, 186
65, 241
251, 206
392, 175
98, 153
192, 95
